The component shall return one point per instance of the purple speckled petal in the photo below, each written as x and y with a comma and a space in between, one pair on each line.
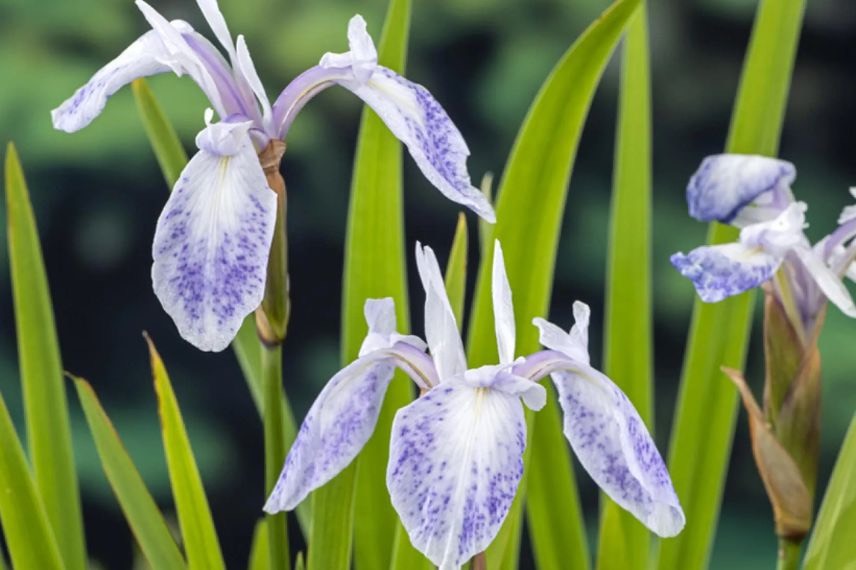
455, 462
434, 142
720, 271
614, 447
336, 428
213, 238
741, 189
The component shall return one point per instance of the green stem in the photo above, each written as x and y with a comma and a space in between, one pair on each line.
789, 554
274, 451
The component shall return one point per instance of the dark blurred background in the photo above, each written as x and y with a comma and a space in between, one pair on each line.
98, 193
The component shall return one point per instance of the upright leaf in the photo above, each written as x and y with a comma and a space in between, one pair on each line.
456, 270
194, 517
628, 344
141, 512
259, 551
26, 530
45, 403
703, 428
831, 544
374, 268
530, 208
162, 136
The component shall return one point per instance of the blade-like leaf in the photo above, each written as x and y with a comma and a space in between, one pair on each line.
45, 403
374, 268
456, 270
628, 346
259, 551
194, 517
162, 136
703, 428
141, 512
536, 182
831, 544
26, 530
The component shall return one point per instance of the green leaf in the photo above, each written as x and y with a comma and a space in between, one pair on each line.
628, 343
536, 182
703, 428
141, 512
45, 403
456, 270
194, 517
831, 544
162, 136
26, 530
374, 268
259, 551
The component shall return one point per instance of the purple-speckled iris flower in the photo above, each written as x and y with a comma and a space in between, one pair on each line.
456, 453
213, 237
754, 194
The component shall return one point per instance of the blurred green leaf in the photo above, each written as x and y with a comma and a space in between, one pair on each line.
456, 270
194, 516
162, 136
628, 343
374, 268
831, 544
259, 551
703, 428
536, 182
45, 403
141, 512
26, 531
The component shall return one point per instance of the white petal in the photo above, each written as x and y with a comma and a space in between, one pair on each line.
455, 461
141, 59
214, 17
434, 142
503, 309
613, 445
779, 235
573, 344
361, 60
848, 212
441, 330
829, 283
336, 428
246, 67
213, 239
726, 185
720, 271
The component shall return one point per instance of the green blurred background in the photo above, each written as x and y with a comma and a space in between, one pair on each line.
98, 193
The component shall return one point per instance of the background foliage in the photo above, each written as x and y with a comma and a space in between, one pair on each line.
97, 196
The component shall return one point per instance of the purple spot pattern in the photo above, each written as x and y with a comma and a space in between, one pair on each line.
211, 246
717, 276
338, 425
456, 458
720, 188
613, 445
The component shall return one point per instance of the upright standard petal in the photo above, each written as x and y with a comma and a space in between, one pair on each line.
455, 461
573, 344
725, 184
335, 429
503, 309
441, 330
613, 445
828, 282
213, 238
413, 116
142, 58
720, 271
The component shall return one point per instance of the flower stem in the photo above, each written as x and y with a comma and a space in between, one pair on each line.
789, 554
274, 451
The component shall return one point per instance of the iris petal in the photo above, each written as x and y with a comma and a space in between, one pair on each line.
720, 271
503, 309
213, 239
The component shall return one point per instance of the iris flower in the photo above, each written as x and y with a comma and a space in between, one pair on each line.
753, 193
213, 237
456, 453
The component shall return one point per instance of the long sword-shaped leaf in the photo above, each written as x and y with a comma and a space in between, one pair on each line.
456, 270
628, 347
26, 529
162, 136
704, 422
374, 268
141, 512
529, 214
45, 402
831, 544
194, 517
